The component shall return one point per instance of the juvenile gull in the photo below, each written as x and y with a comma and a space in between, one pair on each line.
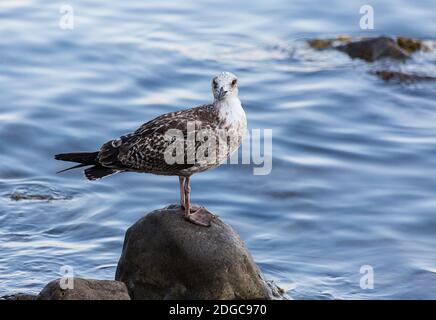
146, 149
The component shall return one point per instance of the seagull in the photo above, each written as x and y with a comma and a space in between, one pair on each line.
151, 149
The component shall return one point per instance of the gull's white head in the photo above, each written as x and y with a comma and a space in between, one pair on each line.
224, 85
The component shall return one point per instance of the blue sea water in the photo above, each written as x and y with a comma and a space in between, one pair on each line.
353, 179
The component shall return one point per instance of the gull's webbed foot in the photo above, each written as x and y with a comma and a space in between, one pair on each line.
199, 216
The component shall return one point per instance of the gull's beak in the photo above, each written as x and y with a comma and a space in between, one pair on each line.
222, 93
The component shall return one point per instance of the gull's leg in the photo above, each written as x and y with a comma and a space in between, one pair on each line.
182, 191
192, 207
187, 202
199, 215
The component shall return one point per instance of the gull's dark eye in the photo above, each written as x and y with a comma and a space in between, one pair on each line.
215, 84
234, 82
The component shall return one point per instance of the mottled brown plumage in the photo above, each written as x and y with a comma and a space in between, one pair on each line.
143, 150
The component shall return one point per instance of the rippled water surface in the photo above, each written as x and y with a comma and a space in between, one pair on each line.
354, 158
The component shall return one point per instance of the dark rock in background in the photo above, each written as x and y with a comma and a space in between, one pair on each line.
378, 48
401, 77
371, 49
411, 45
374, 49
322, 44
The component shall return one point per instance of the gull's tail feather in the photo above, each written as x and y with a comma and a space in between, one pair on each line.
82, 158
85, 158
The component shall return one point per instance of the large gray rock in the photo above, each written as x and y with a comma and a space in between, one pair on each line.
166, 257
85, 289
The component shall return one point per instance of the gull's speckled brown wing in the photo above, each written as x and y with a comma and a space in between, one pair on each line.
143, 150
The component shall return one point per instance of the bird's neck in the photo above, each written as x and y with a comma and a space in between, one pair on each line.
230, 109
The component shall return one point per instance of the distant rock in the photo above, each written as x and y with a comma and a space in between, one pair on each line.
401, 77
166, 257
322, 44
85, 289
411, 45
373, 49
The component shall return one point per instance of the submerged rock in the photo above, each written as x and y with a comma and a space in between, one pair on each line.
166, 257
401, 77
17, 196
37, 192
411, 45
321, 44
371, 49
85, 289
374, 49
